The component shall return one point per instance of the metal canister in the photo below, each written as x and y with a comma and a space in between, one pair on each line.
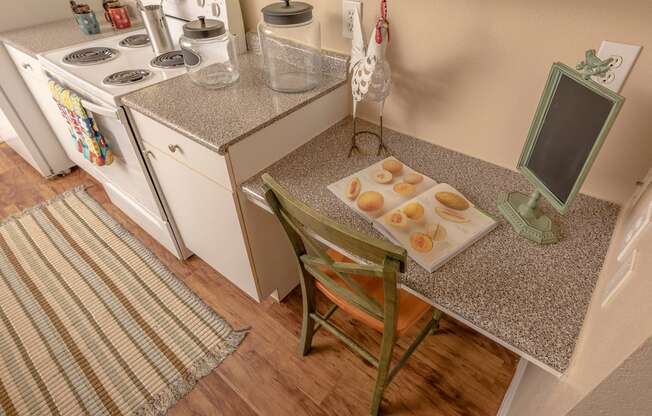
157, 27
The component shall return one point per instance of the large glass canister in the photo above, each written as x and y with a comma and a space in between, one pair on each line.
209, 53
290, 40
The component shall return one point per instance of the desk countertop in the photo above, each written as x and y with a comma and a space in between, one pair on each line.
58, 34
531, 298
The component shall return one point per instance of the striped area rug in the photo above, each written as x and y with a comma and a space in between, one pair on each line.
91, 322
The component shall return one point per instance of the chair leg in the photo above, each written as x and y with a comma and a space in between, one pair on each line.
384, 363
308, 324
307, 330
436, 316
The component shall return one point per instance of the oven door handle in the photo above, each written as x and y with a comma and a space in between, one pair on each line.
98, 109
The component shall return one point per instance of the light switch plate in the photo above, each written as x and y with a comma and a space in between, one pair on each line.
636, 229
641, 187
624, 58
618, 278
348, 9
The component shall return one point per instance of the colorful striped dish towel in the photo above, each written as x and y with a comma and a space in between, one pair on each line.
83, 129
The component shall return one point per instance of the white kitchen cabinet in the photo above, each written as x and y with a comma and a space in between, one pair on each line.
205, 214
7, 132
36, 80
197, 157
214, 220
8, 135
34, 138
275, 263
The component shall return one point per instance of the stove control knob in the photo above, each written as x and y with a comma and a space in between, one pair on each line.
217, 10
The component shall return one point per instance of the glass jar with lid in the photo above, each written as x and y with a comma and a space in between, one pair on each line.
290, 41
209, 53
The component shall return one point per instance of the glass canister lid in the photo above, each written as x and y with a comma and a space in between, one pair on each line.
203, 28
287, 13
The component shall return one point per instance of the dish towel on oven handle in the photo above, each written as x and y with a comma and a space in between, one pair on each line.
83, 129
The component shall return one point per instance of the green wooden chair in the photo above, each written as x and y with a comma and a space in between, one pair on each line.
368, 291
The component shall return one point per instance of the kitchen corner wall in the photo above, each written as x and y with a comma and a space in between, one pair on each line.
468, 74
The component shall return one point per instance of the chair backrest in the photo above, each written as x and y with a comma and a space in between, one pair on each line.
305, 228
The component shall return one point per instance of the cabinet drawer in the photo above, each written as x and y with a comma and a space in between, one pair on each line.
206, 217
190, 154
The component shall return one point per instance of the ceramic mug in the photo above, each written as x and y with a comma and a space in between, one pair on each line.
106, 4
87, 23
120, 17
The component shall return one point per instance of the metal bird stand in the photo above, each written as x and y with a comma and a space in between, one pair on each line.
354, 143
370, 73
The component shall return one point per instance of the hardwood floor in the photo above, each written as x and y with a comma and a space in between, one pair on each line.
457, 372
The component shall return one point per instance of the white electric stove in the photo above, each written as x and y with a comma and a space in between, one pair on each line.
103, 71
106, 69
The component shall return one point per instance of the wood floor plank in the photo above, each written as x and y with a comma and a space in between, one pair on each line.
457, 372
212, 396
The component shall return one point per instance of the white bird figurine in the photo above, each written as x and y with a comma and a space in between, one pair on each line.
371, 74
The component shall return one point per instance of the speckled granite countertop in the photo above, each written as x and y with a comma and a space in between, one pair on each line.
219, 118
58, 34
533, 298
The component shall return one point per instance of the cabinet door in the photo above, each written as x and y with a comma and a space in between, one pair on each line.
206, 216
36, 80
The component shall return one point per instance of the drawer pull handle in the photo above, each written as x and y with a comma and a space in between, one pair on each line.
150, 155
27, 67
174, 147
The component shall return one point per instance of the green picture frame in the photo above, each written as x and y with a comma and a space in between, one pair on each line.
556, 72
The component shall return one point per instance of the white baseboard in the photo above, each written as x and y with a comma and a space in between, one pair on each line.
513, 386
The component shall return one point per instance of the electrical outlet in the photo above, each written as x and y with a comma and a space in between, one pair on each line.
348, 9
624, 56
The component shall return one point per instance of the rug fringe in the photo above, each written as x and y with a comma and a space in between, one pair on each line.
27, 211
177, 389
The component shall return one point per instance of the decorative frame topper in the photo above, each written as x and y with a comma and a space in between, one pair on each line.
592, 66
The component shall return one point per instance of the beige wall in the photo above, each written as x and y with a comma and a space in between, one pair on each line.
468, 73
16, 14
626, 392
610, 333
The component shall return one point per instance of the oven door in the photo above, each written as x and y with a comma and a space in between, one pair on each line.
126, 180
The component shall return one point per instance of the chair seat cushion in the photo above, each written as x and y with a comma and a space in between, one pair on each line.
410, 310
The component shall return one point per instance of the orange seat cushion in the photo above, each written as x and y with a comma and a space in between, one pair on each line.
411, 308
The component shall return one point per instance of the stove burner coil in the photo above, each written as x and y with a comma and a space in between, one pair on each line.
127, 77
168, 60
90, 56
135, 41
